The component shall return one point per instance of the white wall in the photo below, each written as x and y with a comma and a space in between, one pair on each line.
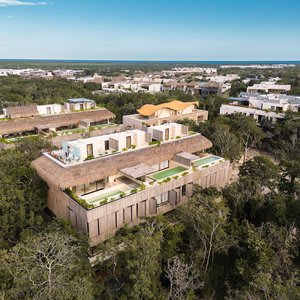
188, 110
55, 109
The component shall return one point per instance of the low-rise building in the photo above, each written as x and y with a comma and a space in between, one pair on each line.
100, 184
206, 89
79, 104
268, 87
54, 121
152, 115
262, 107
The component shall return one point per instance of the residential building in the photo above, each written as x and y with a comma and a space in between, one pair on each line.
54, 121
269, 107
206, 89
152, 115
102, 183
79, 104
268, 87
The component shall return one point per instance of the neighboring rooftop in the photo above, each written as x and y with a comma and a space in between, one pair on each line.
150, 109
80, 100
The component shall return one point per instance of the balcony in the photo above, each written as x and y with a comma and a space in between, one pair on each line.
125, 185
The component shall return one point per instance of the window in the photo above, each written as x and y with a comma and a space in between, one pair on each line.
89, 150
164, 165
183, 190
128, 142
162, 199
116, 219
98, 226
167, 134
106, 145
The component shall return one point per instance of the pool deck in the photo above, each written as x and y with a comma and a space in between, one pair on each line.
207, 160
167, 173
114, 192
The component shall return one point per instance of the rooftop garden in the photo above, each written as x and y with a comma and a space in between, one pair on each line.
152, 180
14, 140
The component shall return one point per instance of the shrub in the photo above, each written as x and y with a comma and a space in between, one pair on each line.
142, 187
80, 201
133, 191
104, 201
185, 173
154, 143
90, 157
124, 149
133, 146
178, 137
167, 179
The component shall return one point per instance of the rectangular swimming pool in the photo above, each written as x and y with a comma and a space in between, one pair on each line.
167, 173
206, 160
102, 197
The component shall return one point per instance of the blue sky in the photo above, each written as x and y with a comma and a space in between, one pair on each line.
150, 30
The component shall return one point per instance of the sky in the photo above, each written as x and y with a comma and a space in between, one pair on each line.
150, 30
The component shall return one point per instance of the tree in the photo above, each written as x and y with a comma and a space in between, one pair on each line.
225, 143
262, 169
205, 218
182, 279
48, 265
265, 268
22, 196
237, 87
213, 104
141, 267
247, 130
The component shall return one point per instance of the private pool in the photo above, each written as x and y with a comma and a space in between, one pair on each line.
94, 200
167, 173
206, 160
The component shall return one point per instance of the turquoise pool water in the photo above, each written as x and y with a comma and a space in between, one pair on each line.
206, 160
167, 173
103, 196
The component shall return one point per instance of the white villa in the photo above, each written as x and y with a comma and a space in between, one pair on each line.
267, 87
262, 107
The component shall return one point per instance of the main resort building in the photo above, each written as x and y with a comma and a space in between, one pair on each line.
102, 183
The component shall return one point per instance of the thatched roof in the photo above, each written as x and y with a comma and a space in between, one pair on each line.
28, 124
25, 111
90, 171
150, 109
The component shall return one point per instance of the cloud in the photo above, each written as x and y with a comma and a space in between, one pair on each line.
20, 3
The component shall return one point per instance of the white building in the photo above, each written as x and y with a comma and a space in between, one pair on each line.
85, 149
262, 107
267, 87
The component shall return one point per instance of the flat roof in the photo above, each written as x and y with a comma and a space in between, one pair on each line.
138, 170
79, 100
